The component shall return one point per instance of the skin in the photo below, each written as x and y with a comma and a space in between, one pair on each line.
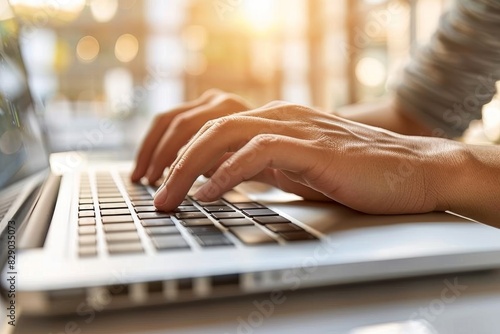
318, 156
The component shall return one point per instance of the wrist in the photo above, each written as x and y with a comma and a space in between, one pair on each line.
468, 182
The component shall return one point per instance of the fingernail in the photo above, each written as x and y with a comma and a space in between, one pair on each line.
160, 188
161, 196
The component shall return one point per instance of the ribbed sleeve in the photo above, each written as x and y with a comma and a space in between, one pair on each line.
448, 81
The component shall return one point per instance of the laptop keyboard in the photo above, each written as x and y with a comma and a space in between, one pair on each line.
104, 211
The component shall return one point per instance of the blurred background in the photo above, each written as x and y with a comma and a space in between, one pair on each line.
125, 60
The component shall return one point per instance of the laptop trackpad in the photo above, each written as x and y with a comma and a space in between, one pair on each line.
330, 217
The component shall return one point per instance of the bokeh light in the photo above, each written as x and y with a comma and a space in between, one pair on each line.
126, 48
87, 49
103, 10
370, 72
260, 14
43, 11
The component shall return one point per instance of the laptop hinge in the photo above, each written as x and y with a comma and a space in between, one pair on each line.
35, 230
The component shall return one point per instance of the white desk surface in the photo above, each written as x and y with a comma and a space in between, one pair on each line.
343, 309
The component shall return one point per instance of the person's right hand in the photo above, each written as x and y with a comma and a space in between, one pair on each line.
171, 130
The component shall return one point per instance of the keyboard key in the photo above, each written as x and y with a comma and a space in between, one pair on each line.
140, 209
197, 222
85, 207
213, 240
271, 220
157, 222
214, 203
87, 214
119, 227
190, 215
251, 235
283, 227
220, 208
143, 203
86, 221
111, 200
227, 215
186, 208
115, 212
87, 251
117, 219
84, 201
143, 192
151, 215
82, 230
120, 205
297, 236
204, 230
109, 195
107, 187
247, 205
121, 248
236, 222
87, 239
122, 237
156, 230
141, 197
169, 242
259, 212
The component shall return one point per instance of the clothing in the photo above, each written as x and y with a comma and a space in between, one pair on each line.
448, 81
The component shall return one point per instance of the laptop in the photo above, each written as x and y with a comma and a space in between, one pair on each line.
84, 239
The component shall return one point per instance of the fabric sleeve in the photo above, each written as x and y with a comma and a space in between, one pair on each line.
448, 80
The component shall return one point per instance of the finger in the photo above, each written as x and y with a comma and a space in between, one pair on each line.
181, 130
271, 111
224, 135
286, 181
212, 170
158, 128
264, 151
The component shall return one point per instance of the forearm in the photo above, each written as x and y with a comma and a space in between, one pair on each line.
466, 177
384, 114
472, 189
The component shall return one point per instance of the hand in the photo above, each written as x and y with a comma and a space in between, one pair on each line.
314, 154
172, 130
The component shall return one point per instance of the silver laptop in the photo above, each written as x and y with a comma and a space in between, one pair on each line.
86, 239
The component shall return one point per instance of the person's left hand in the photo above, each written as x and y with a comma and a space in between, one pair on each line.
315, 155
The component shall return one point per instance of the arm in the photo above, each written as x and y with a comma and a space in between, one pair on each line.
447, 81
322, 156
470, 177
472, 186
385, 114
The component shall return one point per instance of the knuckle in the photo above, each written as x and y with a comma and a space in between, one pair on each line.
263, 141
213, 92
179, 165
276, 103
180, 121
210, 94
160, 118
219, 124
229, 101
232, 166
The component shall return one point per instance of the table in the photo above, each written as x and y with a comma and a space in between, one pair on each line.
465, 303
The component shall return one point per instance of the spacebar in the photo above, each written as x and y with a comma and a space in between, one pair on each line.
251, 235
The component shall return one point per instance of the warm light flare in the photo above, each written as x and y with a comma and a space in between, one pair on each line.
126, 48
260, 14
40, 12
